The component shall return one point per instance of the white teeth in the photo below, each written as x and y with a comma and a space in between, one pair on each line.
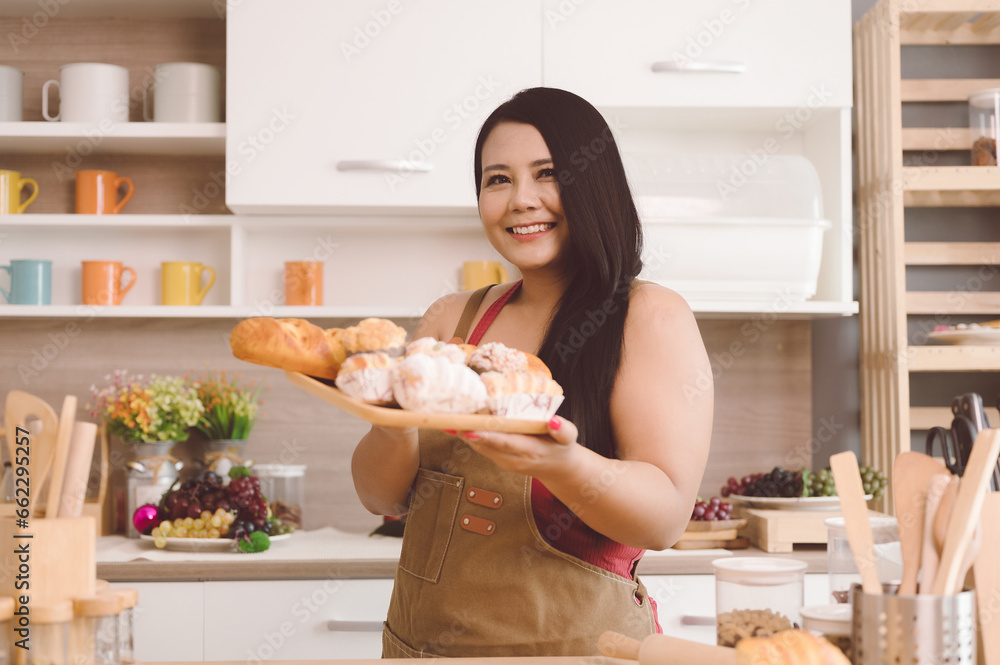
534, 228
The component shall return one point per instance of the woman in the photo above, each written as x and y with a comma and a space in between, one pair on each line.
527, 545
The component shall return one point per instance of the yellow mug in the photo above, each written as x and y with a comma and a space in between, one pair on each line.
182, 282
477, 274
11, 184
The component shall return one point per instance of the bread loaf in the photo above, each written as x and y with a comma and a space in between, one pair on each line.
294, 345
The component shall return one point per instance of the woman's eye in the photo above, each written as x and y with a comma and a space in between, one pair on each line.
547, 173
496, 180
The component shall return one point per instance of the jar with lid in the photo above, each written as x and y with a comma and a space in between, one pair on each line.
841, 566
285, 488
6, 614
94, 637
149, 476
126, 622
50, 627
757, 596
832, 622
984, 115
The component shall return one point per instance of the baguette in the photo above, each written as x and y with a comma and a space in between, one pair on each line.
294, 345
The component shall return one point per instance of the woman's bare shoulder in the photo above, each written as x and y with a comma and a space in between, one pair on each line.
441, 318
650, 301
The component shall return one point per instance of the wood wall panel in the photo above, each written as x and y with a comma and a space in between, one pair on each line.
762, 414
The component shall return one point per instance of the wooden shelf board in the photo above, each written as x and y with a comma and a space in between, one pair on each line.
936, 138
926, 417
126, 138
953, 302
952, 199
942, 90
953, 358
119, 8
951, 178
965, 34
249, 223
951, 253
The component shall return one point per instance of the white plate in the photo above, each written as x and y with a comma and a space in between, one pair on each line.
206, 544
793, 503
967, 336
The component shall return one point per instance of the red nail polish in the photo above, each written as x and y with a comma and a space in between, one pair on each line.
449, 431
555, 423
472, 435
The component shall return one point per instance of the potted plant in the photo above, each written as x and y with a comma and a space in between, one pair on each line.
231, 410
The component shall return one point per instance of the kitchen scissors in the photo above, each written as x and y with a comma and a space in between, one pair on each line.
956, 443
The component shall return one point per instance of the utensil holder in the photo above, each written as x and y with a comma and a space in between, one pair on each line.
918, 630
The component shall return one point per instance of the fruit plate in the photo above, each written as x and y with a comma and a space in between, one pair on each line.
206, 544
790, 503
967, 336
392, 417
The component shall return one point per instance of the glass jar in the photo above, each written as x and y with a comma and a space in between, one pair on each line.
984, 112
832, 622
285, 488
6, 614
843, 571
126, 622
757, 596
150, 475
95, 629
50, 624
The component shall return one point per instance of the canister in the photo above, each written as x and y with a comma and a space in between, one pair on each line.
832, 622
94, 636
757, 596
285, 489
50, 628
126, 622
984, 112
843, 571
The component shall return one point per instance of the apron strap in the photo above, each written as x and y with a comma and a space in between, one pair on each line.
465, 322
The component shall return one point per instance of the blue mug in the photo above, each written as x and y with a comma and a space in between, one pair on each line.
30, 282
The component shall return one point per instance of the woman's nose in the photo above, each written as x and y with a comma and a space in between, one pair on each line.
525, 195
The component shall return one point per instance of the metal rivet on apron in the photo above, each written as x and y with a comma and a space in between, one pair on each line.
465, 521
496, 500
472, 494
489, 527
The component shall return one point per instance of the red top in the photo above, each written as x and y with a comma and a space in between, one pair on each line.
557, 524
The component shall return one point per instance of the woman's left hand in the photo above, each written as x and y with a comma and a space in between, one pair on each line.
527, 454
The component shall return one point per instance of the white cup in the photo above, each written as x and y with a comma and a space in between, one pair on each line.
11, 93
183, 92
89, 92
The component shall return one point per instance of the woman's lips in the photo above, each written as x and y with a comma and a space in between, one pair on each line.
525, 232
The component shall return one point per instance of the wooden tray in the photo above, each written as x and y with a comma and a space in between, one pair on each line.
393, 417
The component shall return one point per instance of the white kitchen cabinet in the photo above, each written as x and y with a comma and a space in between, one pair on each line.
295, 619
715, 53
367, 105
169, 624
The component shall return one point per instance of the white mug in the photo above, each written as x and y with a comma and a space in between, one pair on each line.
89, 92
183, 92
11, 95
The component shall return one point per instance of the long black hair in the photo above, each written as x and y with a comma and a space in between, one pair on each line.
583, 344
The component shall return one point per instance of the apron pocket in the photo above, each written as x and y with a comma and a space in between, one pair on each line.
429, 523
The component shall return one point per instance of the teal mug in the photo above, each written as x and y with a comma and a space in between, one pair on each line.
30, 282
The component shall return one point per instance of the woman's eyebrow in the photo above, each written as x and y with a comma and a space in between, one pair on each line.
501, 167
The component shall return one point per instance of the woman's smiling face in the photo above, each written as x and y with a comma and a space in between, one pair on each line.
519, 200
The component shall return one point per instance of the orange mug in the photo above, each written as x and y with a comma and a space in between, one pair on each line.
303, 283
97, 192
102, 282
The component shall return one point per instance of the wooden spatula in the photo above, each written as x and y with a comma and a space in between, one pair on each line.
929, 557
66, 420
19, 408
911, 475
968, 506
847, 477
987, 574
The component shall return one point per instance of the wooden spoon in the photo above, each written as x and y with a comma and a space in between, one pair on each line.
847, 477
940, 530
911, 474
968, 506
930, 556
987, 574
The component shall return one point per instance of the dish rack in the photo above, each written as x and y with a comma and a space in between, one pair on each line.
887, 188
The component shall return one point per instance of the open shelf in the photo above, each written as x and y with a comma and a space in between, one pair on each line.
122, 138
953, 358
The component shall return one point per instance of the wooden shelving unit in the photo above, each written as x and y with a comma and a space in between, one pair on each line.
886, 188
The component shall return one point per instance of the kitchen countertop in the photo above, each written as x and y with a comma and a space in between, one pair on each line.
520, 660
328, 553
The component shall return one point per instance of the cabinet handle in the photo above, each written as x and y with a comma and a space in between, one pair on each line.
338, 626
717, 66
383, 165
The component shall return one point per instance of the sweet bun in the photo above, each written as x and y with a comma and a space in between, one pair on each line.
429, 346
434, 384
521, 394
366, 376
789, 647
374, 335
498, 357
294, 345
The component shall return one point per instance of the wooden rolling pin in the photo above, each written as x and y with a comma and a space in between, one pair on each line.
663, 650
77, 475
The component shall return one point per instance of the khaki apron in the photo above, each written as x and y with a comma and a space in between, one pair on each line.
476, 578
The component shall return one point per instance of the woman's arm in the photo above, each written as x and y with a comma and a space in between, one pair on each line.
661, 410
386, 460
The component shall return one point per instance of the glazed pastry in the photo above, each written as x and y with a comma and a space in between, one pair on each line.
522, 395
497, 357
367, 377
372, 335
429, 346
434, 384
